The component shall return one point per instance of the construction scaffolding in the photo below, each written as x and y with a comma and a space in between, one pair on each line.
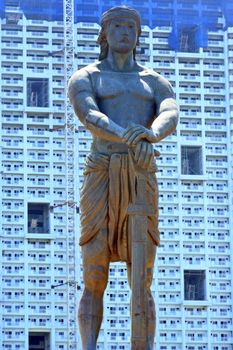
2, 9
177, 14
47, 10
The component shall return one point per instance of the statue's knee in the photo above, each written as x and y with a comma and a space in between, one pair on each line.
96, 278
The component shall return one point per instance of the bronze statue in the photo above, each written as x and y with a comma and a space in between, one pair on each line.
127, 108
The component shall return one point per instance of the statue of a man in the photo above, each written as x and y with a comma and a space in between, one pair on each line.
127, 108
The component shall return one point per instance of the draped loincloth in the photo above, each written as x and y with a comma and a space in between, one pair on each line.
109, 186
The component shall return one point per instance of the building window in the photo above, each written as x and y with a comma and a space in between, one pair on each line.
37, 92
39, 341
187, 39
194, 285
38, 218
191, 160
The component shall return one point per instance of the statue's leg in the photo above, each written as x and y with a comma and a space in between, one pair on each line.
96, 259
151, 253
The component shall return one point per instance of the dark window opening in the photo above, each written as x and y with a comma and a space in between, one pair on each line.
191, 160
194, 285
37, 92
38, 218
187, 39
39, 341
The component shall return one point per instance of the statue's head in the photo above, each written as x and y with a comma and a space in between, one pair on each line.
115, 13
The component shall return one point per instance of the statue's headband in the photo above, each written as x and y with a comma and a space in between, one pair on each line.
119, 12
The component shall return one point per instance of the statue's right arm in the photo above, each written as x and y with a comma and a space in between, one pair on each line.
82, 97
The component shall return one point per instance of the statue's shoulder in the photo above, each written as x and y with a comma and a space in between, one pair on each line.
158, 81
151, 73
83, 78
88, 70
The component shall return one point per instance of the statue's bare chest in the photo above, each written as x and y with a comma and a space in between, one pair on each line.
112, 85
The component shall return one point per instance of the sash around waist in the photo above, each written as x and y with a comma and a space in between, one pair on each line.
98, 161
109, 187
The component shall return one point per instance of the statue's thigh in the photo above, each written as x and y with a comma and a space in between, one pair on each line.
96, 258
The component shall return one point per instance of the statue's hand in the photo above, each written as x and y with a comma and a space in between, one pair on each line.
143, 154
135, 132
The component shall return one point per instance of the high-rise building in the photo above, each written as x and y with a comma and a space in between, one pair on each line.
191, 44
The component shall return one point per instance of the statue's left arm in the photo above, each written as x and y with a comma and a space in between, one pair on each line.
166, 116
166, 110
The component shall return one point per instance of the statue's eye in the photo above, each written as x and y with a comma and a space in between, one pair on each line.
117, 25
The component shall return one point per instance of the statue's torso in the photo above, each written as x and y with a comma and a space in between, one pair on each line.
124, 97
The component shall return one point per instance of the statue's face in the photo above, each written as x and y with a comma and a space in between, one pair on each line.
121, 35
